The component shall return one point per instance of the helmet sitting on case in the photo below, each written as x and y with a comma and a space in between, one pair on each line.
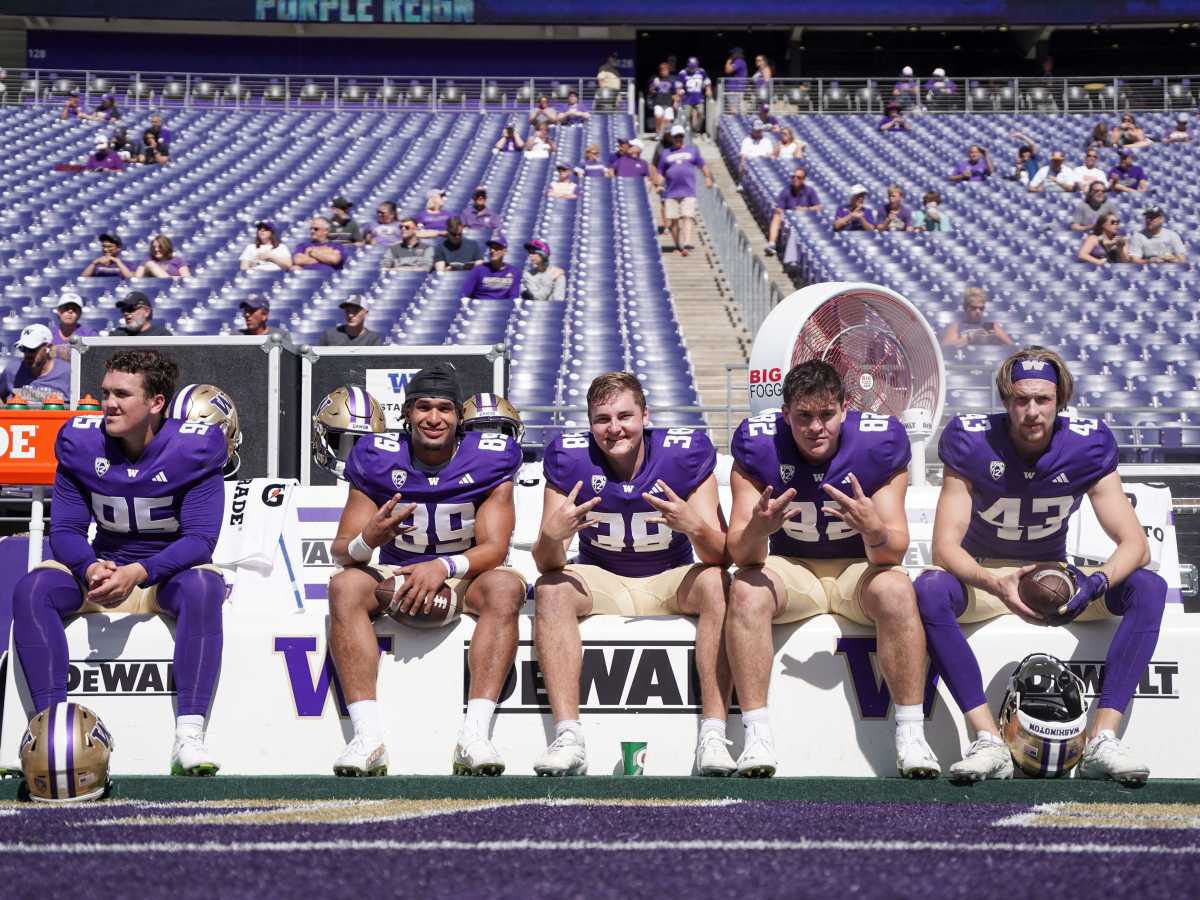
1044, 716
209, 404
345, 415
491, 412
65, 754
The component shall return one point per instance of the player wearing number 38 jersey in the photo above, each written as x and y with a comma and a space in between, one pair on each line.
1011, 482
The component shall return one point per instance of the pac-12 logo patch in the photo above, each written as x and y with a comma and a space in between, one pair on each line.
101, 466
399, 476
996, 469
598, 483
787, 472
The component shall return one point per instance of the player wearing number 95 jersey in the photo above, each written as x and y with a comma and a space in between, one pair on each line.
153, 486
1011, 482
820, 488
644, 504
438, 504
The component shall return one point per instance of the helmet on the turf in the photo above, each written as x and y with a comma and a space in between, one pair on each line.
209, 404
1044, 716
345, 415
491, 412
64, 755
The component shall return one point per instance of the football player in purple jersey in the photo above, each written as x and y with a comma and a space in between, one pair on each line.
438, 504
1012, 481
644, 503
154, 488
818, 526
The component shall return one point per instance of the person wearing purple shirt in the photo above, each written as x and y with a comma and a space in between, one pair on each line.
104, 158
477, 216
493, 279
676, 181
940, 90
629, 163
1012, 481
799, 195
109, 263
818, 526
976, 167
735, 70
433, 217
573, 113
1126, 176
854, 216
154, 489
893, 121
643, 502
66, 324
437, 503
592, 167
892, 216
161, 132
38, 373
163, 263
694, 84
318, 253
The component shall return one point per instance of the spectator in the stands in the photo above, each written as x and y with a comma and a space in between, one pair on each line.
66, 324
456, 251
694, 86
509, 141
574, 114
663, 97
974, 329
411, 253
940, 90
563, 187
106, 109
540, 145
542, 281
609, 75
153, 153
676, 178
477, 216
342, 228
756, 145
103, 158
976, 167
628, 162
1054, 176
592, 166
543, 113
1105, 243
893, 120
907, 91
354, 331
495, 279
1127, 177
1090, 171
1128, 136
789, 146
266, 254
71, 108
763, 72
121, 144
256, 311
433, 218
138, 314
1028, 162
854, 216
1096, 203
798, 195
318, 253
1179, 133
161, 132
38, 372
1156, 243
892, 216
1101, 136
735, 70
931, 216
770, 121
386, 230
109, 263
162, 262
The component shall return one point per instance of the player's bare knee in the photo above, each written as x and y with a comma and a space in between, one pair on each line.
553, 598
500, 598
346, 596
749, 602
889, 596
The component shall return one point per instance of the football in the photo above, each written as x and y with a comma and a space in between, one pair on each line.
445, 609
1045, 589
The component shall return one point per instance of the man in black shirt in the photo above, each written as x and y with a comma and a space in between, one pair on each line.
455, 251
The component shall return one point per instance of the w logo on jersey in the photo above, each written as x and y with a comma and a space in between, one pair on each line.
787, 473
598, 483
996, 469
399, 476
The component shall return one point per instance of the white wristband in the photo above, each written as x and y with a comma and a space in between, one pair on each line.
456, 566
359, 550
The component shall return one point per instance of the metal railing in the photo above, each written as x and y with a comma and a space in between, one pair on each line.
749, 279
1107, 94
154, 90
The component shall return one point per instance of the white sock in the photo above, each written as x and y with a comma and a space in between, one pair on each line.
479, 716
189, 726
364, 714
757, 723
910, 722
572, 725
717, 726
983, 735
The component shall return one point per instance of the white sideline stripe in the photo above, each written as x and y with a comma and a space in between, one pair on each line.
601, 846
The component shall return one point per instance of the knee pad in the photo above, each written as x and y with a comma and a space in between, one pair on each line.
938, 592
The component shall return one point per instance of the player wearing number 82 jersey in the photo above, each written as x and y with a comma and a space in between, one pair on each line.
1011, 482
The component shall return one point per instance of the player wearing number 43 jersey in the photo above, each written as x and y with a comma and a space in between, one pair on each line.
644, 504
438, 504
153, 486
818, 526
1012, 480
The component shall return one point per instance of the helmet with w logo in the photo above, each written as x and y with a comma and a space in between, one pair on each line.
65, 754
1044, 716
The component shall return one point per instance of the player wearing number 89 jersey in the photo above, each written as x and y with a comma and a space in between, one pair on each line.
1011, 482
641, 501
818, 526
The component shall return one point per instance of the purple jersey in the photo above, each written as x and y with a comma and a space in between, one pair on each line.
1020, 511
433, 220
679, 168
1130, 178
625, 542
485, 283
872, 447
382, 465
162, 510
693, 83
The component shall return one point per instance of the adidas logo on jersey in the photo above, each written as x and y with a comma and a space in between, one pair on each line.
466, 479
132, 473
657, 489
1061, 478
161, 478
847, 480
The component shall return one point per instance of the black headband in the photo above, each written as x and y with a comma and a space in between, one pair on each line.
438, 381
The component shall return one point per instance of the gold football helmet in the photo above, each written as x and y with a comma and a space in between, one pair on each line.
491, 412
1044, 716
345, 415
209, 404
64, 755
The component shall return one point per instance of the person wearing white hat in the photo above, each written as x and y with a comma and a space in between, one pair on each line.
354, 331
66, 324
907, 91
433, 218
1179, 134
756, 145
854, 216
675, 179
940, 90
38, 373
103, 158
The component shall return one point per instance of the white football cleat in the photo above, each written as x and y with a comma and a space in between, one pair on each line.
360, 759
1105, 756
915, 759
565, 756
712, 756
758, 759
476, 755
191, 756
986, 759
